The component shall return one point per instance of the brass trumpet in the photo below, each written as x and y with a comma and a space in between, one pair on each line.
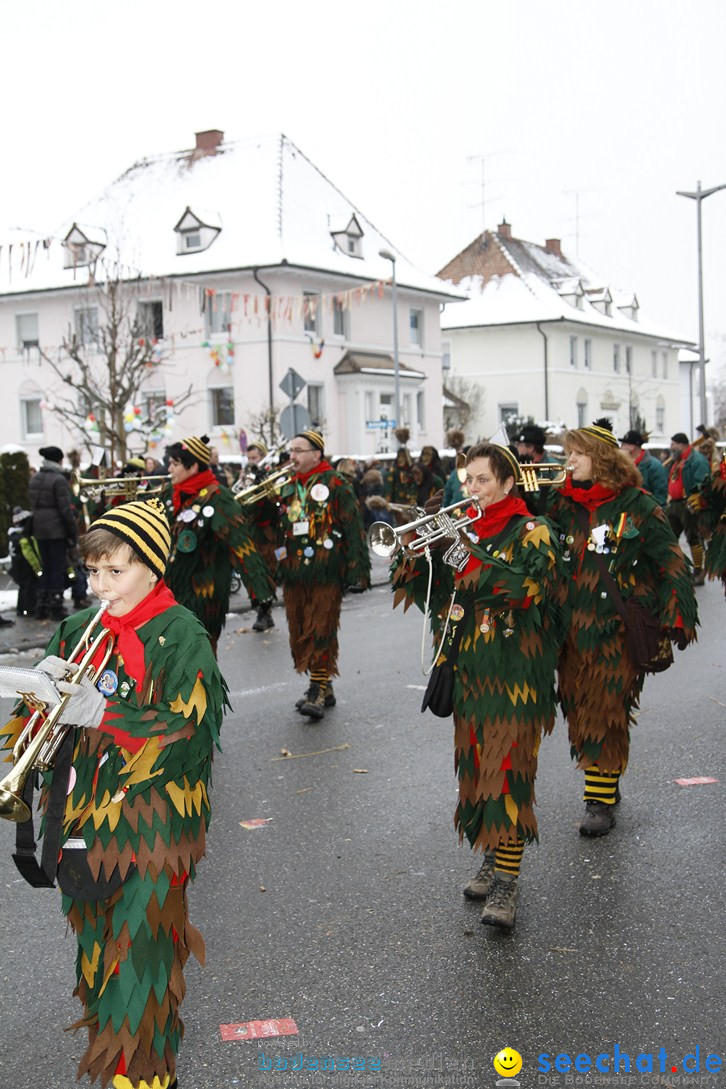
37, 753
536, 475
268, 488
122, 487
386, 540
248, 477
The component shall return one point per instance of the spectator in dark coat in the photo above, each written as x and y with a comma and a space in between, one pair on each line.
54, 528
653, 472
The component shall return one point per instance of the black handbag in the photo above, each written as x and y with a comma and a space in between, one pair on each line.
76, 879
439, 694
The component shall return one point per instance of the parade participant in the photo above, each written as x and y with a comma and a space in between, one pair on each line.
530, 444
688, 471
262, 521
610, 527
209, 539
126, 805
26, 564
653, 472
425, 483
503, 631
325, 552
431, 458
711, 505
401, 489
55, 530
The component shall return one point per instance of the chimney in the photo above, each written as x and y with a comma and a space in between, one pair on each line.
207, 142
552, 245
504, 230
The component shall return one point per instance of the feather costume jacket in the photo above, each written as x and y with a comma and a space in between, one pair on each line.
713, 521
210, 538
599, 686
139, 798
507, 599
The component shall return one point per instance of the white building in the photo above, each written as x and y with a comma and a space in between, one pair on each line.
244, 260
545, 337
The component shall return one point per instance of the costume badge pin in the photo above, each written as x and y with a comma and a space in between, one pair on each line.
187, 541
188, 515
319, 492
107, 682
208, 511
457, 612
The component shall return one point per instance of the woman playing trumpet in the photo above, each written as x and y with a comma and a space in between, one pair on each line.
505, 619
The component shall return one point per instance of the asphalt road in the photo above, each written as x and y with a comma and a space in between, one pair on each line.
344, 911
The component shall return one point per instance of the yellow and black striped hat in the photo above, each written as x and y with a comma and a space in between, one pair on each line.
258, 444
143, 526
601, 429
314, 438
198, 448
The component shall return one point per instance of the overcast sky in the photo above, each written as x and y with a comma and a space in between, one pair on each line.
397, 101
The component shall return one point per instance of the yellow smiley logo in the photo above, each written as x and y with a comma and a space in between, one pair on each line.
508, 1062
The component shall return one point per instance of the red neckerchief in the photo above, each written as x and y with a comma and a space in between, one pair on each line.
591, 497
323, 466
640, 457
675, 479
193, 486
492, 521
129, 647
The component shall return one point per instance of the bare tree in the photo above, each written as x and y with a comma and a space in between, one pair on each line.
469, 397
104, 364
265, 424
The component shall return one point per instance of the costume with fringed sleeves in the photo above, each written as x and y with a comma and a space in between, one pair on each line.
210, 538
139, 798
599, 685
330, 556
504, 690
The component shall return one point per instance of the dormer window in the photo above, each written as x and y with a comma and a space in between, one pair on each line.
630, 308
196, 231
79, 249
571, 291
347, 234
601, 299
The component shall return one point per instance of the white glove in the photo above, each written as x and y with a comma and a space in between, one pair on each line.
86, 705
57, 668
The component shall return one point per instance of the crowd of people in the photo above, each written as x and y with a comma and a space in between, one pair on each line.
568, 593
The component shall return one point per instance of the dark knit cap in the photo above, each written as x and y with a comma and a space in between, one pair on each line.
633, 438
143, 526
532, 435
51, 453
678, 437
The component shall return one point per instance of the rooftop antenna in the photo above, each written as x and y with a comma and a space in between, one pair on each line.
576, 193
482, 159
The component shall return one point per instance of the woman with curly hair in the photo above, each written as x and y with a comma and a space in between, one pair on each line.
616, 539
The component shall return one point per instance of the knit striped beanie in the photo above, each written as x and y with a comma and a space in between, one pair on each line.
198, 448
143, 526
314, 438
601, 429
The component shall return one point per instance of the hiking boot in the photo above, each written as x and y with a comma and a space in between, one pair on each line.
260, 623
314, 703
303, 699
480, 886
501, 906
598, 819
329, 696
699, 576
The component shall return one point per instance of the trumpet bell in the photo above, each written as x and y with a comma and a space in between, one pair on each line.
382, 539
12, 806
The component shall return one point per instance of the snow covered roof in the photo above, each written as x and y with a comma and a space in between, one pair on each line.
270, 204
512, 282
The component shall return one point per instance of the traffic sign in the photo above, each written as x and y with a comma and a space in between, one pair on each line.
294, 418
383, 424
292, 384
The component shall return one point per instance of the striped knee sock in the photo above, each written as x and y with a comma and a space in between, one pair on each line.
319, 676
697, 553
600, 786
509, 859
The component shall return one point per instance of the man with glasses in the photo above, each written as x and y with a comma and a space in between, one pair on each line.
324, 553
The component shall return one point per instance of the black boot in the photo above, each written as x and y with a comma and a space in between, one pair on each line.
264, 620
314, 705
55, 605
41, 605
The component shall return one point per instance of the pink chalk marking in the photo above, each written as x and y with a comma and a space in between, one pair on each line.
699, 780
256, 1030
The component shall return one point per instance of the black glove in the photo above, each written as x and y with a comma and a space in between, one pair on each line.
679, 637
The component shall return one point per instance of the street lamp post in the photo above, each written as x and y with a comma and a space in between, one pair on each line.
698, 196
388, 256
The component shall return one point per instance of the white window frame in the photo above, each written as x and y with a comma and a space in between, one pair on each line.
145, 312
341, 319
386, 407
311, 317
317, 389
218, 313
420, 410
660, 419
215, 394
87, 331
587, 360
25, 401
654, 364
573, 352
505, 409
616, 359
416, 326
628, 359
26, 344
664, 361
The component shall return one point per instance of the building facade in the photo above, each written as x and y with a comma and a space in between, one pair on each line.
542, 336
234, 263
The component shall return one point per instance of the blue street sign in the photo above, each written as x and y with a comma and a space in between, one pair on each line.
383, 424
